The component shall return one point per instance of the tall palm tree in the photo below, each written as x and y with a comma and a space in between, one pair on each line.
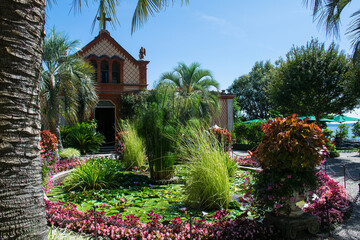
65, 75
194, 84
328, 13
22, 214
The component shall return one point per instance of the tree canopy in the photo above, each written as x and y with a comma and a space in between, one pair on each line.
250, 91
314, 81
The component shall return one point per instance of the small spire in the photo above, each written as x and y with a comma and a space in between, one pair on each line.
103, 16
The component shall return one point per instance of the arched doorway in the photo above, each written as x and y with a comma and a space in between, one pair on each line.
105, 117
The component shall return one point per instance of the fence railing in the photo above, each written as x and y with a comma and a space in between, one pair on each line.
344, 172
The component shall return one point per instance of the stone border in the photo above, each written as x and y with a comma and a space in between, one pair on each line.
58, 178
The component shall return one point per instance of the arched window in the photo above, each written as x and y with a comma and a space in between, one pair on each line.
104, 72
115, 72
94, 65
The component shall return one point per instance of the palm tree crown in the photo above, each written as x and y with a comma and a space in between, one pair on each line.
68, 75
190, 78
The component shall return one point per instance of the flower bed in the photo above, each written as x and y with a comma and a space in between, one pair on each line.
68, 164
115, 227
246, 161
336, 195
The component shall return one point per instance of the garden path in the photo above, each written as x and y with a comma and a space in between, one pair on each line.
350, 230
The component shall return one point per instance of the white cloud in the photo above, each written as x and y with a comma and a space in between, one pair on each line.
224, 27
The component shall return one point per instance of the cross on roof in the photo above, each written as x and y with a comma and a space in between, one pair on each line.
105, 19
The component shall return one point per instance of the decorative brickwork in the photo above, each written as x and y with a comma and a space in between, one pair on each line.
117, 72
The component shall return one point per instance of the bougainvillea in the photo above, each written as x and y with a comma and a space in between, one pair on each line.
336, 195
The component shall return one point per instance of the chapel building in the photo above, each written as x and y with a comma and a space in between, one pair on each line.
116, 73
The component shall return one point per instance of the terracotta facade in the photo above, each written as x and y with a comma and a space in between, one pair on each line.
117, 73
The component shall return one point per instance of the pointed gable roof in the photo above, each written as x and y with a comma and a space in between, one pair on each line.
104, 44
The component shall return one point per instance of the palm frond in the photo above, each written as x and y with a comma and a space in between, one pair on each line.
144, 8
327, 13
109, 8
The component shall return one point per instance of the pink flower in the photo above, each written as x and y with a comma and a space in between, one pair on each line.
289, 176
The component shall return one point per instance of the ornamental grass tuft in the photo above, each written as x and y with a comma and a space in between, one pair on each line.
96, 173
208, 183
134, 147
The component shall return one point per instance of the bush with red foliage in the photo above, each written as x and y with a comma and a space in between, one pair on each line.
223, 136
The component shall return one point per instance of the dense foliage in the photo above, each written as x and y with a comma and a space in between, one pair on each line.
82, 136
208, 183
66, 75
193, 86
249, 133
290, 143
69, 153
289, 153
133, 154
342, 130
250, 91
314, 81
356, 129
130, 227
96, 173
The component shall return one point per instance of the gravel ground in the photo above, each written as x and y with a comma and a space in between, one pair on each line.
350, 229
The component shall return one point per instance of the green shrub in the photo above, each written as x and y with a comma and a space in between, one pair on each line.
249, 133
83, 136
96, 173
157, 122
332, 150
342, 130
328, 133
356, 129
231, 165
208, 183
69, 153
134, 147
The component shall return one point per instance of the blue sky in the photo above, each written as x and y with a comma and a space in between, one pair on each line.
225, 37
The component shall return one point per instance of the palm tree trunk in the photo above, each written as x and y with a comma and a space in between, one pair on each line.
22, 214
